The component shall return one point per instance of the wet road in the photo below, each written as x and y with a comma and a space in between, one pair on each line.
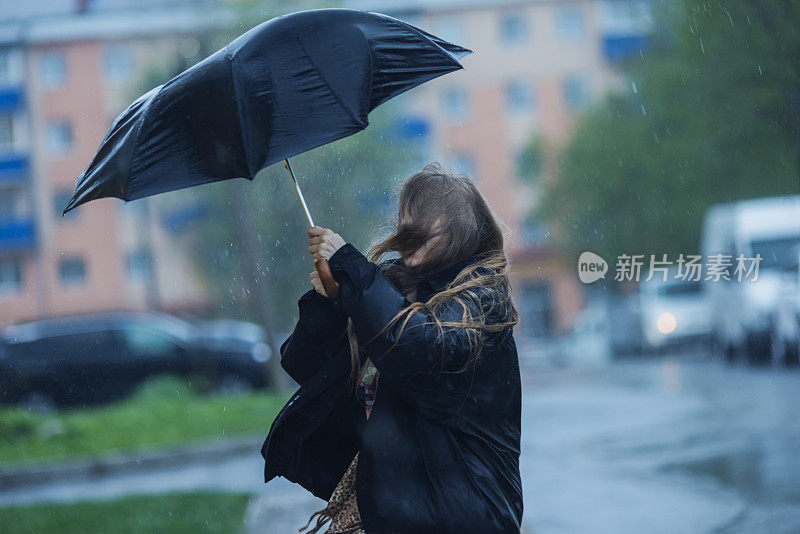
669, 445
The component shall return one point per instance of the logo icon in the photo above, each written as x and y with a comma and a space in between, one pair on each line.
591, 267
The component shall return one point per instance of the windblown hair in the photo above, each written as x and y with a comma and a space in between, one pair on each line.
434, 202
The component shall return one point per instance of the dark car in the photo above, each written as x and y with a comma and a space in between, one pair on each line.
93, 358
241, 352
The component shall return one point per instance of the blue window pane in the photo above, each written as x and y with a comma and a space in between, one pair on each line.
513, 28
519, 96
576, 93
139, 265
72, 271
119, 65
59, 137
11, 276
455, 102
53, 69
570, 24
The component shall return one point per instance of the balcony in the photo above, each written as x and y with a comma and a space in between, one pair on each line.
17, 234
13, 168
620, 47
11, 99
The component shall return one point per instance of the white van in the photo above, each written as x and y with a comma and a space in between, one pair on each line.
742, 312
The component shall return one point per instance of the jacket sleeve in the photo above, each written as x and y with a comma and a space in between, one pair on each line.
371, 300
319, 335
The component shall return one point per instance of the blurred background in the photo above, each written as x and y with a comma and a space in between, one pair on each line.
139, 342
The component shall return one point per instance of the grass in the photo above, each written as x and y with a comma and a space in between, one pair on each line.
164, 411
173, 513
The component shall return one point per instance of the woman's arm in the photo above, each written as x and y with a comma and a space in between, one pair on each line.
320, 334
371, 300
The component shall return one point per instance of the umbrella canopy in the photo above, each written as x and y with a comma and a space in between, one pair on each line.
291, 84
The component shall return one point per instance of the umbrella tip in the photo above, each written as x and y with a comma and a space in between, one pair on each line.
70, 207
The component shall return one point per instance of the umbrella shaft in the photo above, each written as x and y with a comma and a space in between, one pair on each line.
299, 193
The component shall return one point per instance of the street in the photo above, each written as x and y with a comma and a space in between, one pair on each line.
660, 445
668, 445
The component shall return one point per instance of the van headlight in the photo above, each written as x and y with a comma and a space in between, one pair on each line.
666, 323
260, 352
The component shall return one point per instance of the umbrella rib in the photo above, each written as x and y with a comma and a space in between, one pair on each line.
328, 85
242, 130
138, 129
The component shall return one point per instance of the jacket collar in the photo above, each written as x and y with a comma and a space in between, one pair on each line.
438, 280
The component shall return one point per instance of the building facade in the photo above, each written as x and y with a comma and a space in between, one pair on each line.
67, 69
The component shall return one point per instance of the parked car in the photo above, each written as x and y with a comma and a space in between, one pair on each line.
743, 313
673, 312
242, 343
99, 357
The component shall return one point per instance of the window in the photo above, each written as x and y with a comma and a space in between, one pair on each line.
10, 66
10, 276
628, 15
147, 343
778, 254
54, 70
519, 96
5, 65
513, 28
72, 271
6, 131
59, 137
139, 265
455, 102
60, 201
569, 24
576, 92
7, 204
13, 204
8, 72
118, 63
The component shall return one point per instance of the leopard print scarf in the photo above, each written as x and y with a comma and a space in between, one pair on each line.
342, 508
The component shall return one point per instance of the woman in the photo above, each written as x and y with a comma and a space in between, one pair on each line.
418, 430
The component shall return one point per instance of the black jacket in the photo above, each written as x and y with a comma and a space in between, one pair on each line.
440, 451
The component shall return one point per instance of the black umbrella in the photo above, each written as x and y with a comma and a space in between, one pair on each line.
291, 84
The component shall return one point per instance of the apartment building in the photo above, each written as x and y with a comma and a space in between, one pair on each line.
67, 69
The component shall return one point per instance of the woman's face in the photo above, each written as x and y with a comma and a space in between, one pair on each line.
418, 256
